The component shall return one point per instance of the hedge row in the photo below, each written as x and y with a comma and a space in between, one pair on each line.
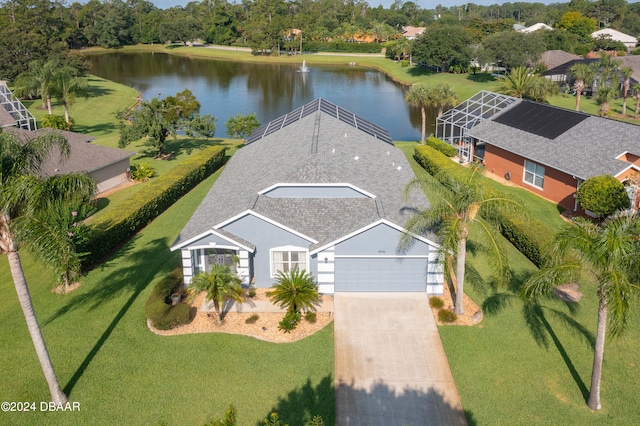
158, 308
527, 234
441, 146
338, 46
112, 229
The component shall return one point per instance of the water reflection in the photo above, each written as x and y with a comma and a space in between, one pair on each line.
226, 88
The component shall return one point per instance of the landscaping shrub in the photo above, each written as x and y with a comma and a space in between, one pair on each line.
141, 172
447, 316
340, 46
252, 319
527, 235
310, 317
289, 322
436, 302
252, 293
603, 195
441, 146
117, 225
158, 308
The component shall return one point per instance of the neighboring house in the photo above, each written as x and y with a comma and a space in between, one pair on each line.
411, 33
555, 58
629, 41
549, 150
107, 165
318, 189
562, 73
535, 27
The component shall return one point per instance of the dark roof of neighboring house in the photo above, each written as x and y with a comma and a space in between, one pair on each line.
315, 148
632, 61
84, 156
587, 147
555, 58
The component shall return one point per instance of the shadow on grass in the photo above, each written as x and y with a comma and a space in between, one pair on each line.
301, 405
536, 314
97, 90
102, 128
417, 71
181, 146
481, 77
142, 265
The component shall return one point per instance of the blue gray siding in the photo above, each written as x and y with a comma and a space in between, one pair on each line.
379, 240
265, 236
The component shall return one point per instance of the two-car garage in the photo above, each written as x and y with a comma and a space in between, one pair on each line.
381, 273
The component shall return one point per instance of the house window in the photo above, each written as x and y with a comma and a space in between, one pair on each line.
285, 259
534, 174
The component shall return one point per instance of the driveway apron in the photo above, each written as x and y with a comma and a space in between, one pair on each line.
391, 368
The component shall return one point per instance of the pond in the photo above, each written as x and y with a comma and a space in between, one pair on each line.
226, 88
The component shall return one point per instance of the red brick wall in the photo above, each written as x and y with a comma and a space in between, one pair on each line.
558, 187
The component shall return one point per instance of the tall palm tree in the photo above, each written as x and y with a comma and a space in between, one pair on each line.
39, 80
606, 66
24, 199
604, 96
442, 96
461, 200
295, 290
418, 96
516, 83
607, 253
68, 85
220, 286
626, 85
583, 76
636, 89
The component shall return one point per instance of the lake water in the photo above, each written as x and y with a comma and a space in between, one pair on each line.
226, 88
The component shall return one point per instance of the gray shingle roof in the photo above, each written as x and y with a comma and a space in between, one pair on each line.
585, 150
6, 119
317, 148
84, 156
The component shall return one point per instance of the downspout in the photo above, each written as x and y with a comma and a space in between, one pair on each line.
575, 196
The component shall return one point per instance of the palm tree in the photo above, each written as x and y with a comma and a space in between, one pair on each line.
606, 65
604, 95
522, 83
608, 253
636, 89
461, 200
418, 96
583, 76
39, 80
68, 85
442, 96
25, 198
295, 290
221, 285
626, 85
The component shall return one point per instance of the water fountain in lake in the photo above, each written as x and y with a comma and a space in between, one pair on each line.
304, 68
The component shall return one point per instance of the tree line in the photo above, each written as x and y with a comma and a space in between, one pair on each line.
37, 29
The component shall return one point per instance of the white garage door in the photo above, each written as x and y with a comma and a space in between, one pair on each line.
380, 274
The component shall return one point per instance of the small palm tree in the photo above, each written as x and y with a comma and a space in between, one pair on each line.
220, 285
25, 199
583, 76
418, 96
604, 96
626, 86
442, 96
68, 85
522, 83
461, 200
295, 290
636, 89
607, 253
39, 80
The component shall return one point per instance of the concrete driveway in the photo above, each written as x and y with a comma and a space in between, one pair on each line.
391, 368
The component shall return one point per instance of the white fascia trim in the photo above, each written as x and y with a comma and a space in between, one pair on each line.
372, 225
373, 256
630, 166
215, 246
333, 184
211, 232
266, 219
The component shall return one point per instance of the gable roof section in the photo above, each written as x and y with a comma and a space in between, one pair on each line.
315, 148
615, 35
554, 58
539, 119
588, 148
6, 119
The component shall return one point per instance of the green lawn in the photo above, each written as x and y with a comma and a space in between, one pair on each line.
511, 368
121, 373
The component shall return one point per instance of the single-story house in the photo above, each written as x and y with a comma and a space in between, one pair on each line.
550, 151
319, 189
629, 41
555, 58
562, 73
536, 27
412, 33
107, 165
